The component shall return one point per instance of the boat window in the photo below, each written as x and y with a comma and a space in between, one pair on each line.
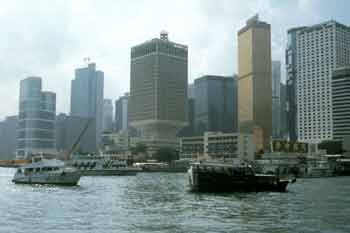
37, 169
19, 170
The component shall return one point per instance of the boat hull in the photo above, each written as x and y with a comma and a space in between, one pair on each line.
67, 179
220, 181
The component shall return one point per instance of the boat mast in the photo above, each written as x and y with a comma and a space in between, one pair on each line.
67, 156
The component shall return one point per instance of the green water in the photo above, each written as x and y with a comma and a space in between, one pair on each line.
160, 202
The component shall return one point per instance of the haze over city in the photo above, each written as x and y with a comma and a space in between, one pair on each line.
51, 38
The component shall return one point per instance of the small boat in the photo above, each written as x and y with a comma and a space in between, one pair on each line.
47, 171
224, 177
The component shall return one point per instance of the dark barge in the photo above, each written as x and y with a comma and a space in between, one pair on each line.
223, 177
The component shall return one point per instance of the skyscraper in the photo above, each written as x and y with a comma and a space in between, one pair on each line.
276, 99
8, 137
254, 88
121, 113
189, 129
319, 50
291, 91
87, 98
341, 103
107, 115
283, 112
158, 88
215, 105
36, 119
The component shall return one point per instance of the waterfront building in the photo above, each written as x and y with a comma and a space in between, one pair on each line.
121, 113
158, 89
215, 105
87, 98
36, 119
319, 50
276, 99
8, 137
107, 124
218, 145
68, 129
341, 103
254, 85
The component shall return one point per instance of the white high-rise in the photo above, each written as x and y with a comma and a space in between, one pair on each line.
320, 49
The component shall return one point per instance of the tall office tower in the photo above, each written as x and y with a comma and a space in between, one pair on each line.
8, 137
254, 87
319, 50
276, 99
107, 124
341, 102
36, 119
214, 104
283, 112
87, 98
291, 91
189, 129
121, 113
158, 88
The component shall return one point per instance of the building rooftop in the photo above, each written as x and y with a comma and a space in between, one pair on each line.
253, 22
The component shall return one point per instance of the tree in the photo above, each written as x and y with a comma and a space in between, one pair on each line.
139, 148
332, 147
166, 154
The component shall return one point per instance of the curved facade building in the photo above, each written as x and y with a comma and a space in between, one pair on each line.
36, 127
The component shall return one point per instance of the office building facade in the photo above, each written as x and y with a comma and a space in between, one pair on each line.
319, 50
36, 119
214, 104
107, 125
67, 131
276, 99
255, 88
121, 113
87, 98
8, 137
341, 103
218, 145
291, 84
158, 88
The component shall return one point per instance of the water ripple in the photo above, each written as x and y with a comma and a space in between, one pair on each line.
161, 203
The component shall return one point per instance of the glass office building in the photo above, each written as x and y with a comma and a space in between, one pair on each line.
215, 104
36, 119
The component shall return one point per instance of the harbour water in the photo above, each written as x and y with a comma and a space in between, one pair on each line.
159, 202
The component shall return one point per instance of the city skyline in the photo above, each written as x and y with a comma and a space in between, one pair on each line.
57, 48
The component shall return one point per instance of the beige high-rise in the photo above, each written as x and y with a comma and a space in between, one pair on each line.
254, 85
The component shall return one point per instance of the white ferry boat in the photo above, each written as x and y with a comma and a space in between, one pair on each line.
47, 171
102, 166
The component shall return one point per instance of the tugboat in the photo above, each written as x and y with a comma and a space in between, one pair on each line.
46, 171
223, 177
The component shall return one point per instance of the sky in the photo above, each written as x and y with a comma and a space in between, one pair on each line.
51, 38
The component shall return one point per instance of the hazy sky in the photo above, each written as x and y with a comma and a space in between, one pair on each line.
51, 38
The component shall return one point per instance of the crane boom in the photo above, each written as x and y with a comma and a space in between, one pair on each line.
67, 156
